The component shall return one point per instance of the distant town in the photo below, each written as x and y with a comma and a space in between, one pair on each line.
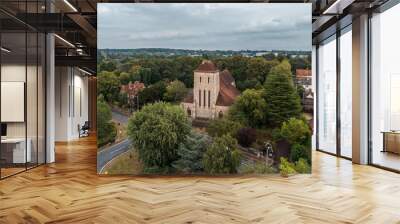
198, 53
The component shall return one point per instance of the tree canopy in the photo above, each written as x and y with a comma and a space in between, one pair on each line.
152, 93
249, 108
108, 85
156, 131
175, 91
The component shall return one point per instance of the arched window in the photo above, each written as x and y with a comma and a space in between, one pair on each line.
189, 112
220, 114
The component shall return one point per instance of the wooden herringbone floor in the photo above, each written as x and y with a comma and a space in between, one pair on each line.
69, 191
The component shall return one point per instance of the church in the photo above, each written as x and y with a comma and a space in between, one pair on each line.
212, 94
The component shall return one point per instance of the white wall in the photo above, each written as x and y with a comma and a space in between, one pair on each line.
314, 89
71, 102
50, 95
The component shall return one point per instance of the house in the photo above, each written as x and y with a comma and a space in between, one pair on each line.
304, 78
308, 100
213, 92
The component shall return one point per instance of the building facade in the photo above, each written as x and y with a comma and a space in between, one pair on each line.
212, 94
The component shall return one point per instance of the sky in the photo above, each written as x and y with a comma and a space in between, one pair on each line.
215, 26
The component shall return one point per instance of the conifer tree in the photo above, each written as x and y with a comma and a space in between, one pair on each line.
281, 96
191, 153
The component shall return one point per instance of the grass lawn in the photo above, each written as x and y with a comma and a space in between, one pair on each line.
126, 163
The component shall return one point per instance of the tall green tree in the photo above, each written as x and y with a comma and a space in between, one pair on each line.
106, 131
175, 91
283, 101
124, 78
191, 153
156, 131
107, 65
258, 68
146, 76
108, 85
152, 93
249, 108
185, 67
237, 65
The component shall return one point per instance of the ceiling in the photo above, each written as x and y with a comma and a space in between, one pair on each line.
75, 21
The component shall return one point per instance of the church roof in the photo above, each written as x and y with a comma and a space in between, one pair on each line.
226, 77
228, 92
207, 66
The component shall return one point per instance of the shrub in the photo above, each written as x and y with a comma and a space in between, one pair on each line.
223, 126
246, 136
191, 153
276, 134
222, 157
302, 166
286, 168
156, 131
158, 170
257, 168
296, 131
298, 151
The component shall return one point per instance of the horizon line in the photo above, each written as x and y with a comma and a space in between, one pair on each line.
194, 49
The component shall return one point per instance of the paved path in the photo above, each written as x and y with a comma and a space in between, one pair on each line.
119, 117
107, 154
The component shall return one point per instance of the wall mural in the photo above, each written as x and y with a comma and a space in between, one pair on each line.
204, 89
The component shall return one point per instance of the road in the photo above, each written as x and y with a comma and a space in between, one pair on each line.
112, 151
107, 154
119, 117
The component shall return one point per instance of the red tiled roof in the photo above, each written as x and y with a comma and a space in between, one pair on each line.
225, 76
303, 73
207, 66
228, 92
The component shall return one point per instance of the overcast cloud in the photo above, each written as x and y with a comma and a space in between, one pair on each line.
221, 26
